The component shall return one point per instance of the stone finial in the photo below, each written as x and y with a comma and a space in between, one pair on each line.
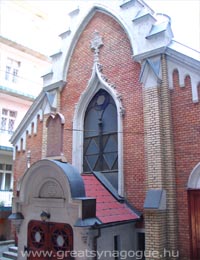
96, 43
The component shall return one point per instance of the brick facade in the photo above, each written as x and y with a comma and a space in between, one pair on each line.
115, 43
160, 131
160, 168
33, 144
186, 147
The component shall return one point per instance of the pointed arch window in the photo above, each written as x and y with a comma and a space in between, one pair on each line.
100, 151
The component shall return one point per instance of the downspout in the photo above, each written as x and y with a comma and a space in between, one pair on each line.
96, 227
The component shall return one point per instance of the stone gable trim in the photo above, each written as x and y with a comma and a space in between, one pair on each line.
45, 103
126, 17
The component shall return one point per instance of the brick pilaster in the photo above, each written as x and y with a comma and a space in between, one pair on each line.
153, 138
155, 222
161, 226
168, 161
155, 232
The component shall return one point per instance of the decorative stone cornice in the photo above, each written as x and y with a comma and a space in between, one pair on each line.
105, 81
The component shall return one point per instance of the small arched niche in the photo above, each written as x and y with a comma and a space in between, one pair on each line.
55, 125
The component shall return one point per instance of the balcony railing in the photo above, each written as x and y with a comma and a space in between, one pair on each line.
6, 198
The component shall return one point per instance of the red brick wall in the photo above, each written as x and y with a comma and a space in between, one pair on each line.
186, 122
34, 144
119, 68
54, 136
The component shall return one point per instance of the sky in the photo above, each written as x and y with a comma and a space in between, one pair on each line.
185, 21
185, 15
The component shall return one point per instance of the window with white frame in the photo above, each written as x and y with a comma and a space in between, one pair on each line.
12, 70
7, 121
5, 176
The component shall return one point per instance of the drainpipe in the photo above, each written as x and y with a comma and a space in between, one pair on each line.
96, 227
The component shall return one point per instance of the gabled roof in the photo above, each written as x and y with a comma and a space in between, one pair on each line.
154, 40
108, 208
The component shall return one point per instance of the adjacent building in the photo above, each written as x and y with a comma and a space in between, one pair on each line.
21, 68
20, 83
107, 159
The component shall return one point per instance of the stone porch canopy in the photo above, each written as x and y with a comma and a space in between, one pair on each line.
48, 182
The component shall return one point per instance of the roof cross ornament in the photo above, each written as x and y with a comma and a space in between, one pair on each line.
96, 43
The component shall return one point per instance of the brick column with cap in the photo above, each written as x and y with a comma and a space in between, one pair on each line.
160, 220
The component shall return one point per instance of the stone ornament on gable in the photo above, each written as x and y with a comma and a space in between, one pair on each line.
96, 44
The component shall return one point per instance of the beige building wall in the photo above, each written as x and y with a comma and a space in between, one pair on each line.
20, 82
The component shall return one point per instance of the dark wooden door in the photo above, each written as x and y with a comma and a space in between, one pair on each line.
48, 240
194, 206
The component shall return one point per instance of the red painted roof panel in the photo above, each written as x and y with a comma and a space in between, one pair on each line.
108, 209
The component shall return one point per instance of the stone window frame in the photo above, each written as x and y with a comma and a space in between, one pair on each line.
96, 83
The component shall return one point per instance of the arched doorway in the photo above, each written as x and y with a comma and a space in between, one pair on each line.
194, 209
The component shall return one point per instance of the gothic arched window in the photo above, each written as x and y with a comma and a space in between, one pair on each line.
100, 135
